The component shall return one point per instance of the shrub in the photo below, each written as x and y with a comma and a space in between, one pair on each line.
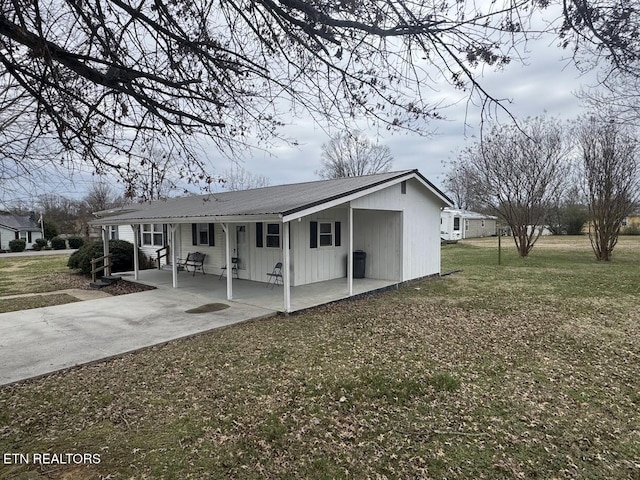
58, 243
632, 229
41, 243
121, 256
75, 242
17, 245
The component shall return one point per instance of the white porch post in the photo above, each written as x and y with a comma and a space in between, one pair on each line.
136, 242
350, 253
105, 247
285, 270
227, 256
174, 255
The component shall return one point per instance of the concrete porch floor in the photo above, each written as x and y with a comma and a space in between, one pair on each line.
256, 293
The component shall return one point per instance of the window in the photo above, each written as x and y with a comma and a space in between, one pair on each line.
273, 235
326, 234
113, 232
23, 236
152, 235
456, 223
466, 225
203, 234
403, 187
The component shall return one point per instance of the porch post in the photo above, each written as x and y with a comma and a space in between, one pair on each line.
350, 253
285, 270
227, 256
174, 255
105, 247
136, 242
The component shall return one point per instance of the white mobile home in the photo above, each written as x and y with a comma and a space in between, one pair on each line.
456, 224
309, 228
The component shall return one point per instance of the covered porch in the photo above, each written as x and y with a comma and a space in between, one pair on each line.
256, 293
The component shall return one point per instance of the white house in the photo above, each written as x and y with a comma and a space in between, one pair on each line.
309, 227
456, 224
14, 227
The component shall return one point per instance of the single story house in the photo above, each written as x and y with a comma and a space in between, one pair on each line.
13, 227
456, 224
309, 228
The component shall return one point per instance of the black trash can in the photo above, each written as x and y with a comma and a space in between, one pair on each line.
359, 262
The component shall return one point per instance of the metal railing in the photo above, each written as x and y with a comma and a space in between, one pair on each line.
106, 265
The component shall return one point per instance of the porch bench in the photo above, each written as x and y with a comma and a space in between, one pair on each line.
194, 260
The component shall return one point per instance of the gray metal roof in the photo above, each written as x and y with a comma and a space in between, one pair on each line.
19, 223
277, 200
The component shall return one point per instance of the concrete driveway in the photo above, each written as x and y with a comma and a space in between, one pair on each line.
43, 340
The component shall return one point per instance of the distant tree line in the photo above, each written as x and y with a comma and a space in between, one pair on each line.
543, 173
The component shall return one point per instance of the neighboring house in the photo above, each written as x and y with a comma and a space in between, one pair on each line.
457, 224
631, 223
309, 227
18, 226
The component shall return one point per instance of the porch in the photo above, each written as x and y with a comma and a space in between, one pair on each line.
257, 293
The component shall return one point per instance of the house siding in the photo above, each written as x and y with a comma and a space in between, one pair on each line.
420, 219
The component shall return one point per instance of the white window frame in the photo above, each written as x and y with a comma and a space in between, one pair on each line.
272, 236
322, 234
113, 232
150, 233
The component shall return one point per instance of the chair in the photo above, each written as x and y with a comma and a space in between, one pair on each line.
275, 277
234, 268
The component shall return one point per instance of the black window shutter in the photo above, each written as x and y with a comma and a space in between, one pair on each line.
259, 227
139, 235
194, 234
17, 235
29, 237
212, 234
165, 235
338, 235
313, 234
289, 230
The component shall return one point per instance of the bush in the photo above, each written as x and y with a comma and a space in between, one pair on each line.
17, 245
632, 229
75, 242
121, 256
41, 243
58, 243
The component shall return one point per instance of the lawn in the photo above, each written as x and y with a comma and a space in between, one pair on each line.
530, 369
36, 274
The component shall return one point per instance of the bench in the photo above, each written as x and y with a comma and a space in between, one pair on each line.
194, 260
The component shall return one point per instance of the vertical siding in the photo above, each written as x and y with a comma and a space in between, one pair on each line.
311, 265
379, 234
420, 209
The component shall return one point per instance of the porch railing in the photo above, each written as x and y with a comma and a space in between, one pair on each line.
106, 265
162, 253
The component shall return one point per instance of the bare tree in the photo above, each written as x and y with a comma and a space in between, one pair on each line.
521, 170
460, 182
611, 172
238, 178
352, 154
88, 83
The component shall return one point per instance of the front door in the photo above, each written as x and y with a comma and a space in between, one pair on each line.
242, 250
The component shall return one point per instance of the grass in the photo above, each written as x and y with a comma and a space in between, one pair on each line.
525, 370
37, 301
37, 274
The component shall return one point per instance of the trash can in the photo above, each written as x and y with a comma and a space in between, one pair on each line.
359, 261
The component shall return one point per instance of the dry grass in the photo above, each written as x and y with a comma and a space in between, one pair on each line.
528, 370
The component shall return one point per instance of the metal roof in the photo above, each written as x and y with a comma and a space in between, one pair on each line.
275, 201
469, 214
19, 223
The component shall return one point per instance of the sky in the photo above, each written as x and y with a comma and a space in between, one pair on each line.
545, 84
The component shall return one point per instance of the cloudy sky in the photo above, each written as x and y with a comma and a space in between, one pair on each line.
546, 84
